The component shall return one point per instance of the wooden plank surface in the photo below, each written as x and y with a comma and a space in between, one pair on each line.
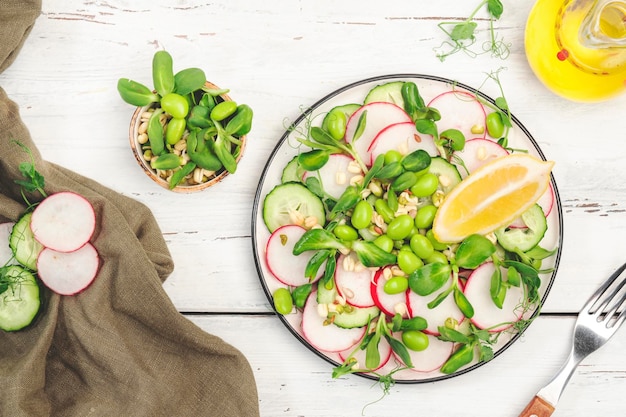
280, 56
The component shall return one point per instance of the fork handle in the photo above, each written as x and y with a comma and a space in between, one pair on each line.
537, 407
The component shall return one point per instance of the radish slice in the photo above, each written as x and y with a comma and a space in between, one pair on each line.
486, 314
385, 302
402, 137
334, 175
326, 337
354, 285
476, 153
384, 349
68, 273
459, 110
63, 221
431, 358
546, 202
378, 115
6, 254
435, 317
282, 263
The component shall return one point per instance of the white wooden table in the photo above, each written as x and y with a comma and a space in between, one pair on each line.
281, 55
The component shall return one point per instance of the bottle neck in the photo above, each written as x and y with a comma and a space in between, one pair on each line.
605, 25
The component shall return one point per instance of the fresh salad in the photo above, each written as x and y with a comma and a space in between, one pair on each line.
369, 247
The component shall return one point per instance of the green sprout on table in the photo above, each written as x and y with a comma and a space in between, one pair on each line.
462, 35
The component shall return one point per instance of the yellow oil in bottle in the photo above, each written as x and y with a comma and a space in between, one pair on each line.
577, 48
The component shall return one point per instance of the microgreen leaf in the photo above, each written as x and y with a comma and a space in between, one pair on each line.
463, 31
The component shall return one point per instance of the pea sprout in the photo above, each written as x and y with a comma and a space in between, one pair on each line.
462, 35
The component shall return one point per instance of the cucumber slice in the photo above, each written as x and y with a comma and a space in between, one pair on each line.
449, 176
524, 239
23, 244
19, 302
356, 317
347, 109
286, 199
292, 172
390, 92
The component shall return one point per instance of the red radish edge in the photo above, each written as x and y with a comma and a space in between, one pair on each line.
385, 302
63, 221
417, 306
68, 273
404, 133
486, 314
430, 359
459, 110
354, 286
328, 338
281, 262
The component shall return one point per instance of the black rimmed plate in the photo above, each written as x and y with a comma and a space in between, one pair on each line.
285, 151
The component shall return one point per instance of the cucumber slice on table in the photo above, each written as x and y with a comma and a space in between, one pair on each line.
19, 298
23, 244
390, 92
285, 199
444, 169
524, 239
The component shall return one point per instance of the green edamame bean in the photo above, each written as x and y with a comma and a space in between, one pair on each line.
405, 181
495, 126
415, 340
436, 244
383, 209
384, 242
421, 246
176, 105
362, 215
396, 285
400, 227
392, 156
436, 257
166, 161
425, 185
174, 130
424, 216
283, 303
223, 110
408, 261
345, 232
336, 124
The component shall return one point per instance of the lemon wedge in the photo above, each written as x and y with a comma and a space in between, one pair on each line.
492, 197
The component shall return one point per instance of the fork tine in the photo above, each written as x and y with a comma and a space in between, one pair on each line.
600, 291
610, 323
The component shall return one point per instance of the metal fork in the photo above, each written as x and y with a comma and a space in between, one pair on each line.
598, 320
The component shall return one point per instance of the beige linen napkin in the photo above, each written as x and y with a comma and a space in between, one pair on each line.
120, 348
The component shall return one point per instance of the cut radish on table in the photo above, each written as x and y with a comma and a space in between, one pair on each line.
282, 263
431, 358
388, 303
401, 137
323, 336
68, 273
365, 124
486, 314
353, 281
336, 174
476, 153
460, 110
6, 254
435, 317
63, 221
384, 350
